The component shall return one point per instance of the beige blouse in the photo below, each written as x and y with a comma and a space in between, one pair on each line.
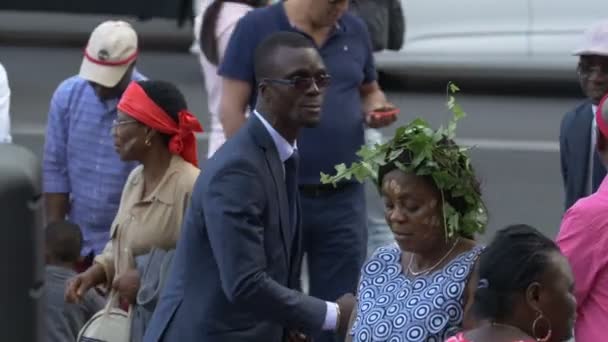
154, 221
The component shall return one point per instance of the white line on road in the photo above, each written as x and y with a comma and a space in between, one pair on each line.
511, 145
481, 144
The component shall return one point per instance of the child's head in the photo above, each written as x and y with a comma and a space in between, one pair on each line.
63, 243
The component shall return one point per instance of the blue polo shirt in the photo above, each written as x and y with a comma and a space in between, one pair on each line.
348, 57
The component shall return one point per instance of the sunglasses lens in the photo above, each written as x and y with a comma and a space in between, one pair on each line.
302, 83
587, 69
322, 81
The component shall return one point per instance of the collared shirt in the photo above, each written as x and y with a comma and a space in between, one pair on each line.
80, 158
583, 239
592, 151
153, 221
283, 146
5, 103
348, 57
285, 150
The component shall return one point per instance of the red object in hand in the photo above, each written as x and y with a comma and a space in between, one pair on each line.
385, 112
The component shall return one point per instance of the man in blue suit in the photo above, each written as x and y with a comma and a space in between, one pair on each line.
582, 170
235, 274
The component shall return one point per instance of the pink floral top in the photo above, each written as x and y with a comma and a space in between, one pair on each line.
460, 338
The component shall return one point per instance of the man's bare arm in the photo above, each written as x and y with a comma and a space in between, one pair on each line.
57, 206
233, 105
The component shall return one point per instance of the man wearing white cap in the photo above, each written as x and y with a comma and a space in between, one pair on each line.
83, 175
581, 167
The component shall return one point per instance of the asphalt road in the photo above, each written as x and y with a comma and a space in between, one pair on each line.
514, 127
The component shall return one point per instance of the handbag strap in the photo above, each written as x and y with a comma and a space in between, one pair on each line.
111, 303
114, 297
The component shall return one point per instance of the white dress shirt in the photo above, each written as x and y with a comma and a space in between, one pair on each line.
5, 102
285, 150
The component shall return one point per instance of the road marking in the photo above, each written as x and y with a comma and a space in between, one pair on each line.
511, 145
480, 144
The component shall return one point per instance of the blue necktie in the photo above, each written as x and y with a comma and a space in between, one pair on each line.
291, 184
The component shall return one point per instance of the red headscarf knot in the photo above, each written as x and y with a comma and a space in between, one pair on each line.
136, 103
187, 125
176, 144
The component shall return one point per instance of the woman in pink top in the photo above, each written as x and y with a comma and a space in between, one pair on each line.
525, 290
213, 28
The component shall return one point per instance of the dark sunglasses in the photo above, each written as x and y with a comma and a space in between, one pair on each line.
302, 83
588, 68
117, 122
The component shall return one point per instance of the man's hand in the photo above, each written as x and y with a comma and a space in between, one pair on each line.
346, 303
381, 115
373, 101
127, 285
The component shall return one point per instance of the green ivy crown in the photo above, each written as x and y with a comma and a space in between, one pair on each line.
433, 154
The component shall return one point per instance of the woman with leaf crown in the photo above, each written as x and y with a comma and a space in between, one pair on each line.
421, 287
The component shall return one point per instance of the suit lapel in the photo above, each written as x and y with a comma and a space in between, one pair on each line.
581, 136
276, 169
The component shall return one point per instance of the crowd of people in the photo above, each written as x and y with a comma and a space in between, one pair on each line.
138, 233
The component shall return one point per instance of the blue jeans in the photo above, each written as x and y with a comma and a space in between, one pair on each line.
335, 242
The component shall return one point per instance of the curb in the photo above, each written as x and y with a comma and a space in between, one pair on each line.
42, 29
159, 42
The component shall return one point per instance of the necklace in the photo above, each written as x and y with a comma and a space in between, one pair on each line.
427, 270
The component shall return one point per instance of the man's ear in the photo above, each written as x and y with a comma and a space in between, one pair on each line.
263, 91
261, 87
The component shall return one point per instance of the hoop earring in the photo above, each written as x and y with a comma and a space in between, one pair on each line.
539, 318
148, 142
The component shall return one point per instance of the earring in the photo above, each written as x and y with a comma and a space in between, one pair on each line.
148, 142
539, 318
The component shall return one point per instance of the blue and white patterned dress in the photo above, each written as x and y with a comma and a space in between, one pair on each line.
395, 308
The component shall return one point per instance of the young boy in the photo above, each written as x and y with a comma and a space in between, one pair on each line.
64, 320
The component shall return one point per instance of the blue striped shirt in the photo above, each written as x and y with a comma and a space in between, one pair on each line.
80, 159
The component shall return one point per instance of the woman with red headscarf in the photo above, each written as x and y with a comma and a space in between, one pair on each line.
154, 128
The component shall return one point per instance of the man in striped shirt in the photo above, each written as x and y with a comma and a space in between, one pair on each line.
83, 175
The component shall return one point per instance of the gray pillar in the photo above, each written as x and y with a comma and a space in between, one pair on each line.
21, 246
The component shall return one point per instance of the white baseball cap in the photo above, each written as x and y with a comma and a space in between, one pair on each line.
595, 40
111, 49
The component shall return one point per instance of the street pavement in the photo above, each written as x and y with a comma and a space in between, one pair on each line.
514, 128
52, 29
